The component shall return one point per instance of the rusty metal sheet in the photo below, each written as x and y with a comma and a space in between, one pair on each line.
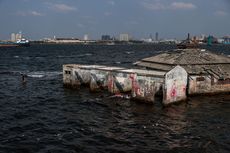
175, 85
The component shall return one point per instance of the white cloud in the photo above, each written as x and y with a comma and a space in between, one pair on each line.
154, 6
182, 6
62, 7
111, 2
34, 13
221, 13
29, 13
159, 5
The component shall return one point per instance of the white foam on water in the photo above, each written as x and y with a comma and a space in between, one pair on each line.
16, 56
35, 75
130, 52
43, 74
86, 54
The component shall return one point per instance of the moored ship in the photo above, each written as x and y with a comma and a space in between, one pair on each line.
19, 43
23, 42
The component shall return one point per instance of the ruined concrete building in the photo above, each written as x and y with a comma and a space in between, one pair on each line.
207, 72
174, 74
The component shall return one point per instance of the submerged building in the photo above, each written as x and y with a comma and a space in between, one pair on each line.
175, 74
207, 72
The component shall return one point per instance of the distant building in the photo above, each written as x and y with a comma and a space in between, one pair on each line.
220, 40
13, 37
226, 40
86, 37
18, 36
124, 37
62, 40
157, 36
105, 37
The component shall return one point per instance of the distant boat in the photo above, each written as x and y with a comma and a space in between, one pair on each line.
23, 42
19, 43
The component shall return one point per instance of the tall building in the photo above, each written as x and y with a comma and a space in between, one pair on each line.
124, 37
157, 36
18, 36
105, 37
13, 37
86, 37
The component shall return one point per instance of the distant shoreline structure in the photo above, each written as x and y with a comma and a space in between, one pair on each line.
18, 43
126, 39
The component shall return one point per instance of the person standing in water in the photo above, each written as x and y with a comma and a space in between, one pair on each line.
23, 78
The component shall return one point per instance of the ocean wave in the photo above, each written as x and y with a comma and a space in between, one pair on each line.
82, 55
43, 74
131, 52
36, 74
13, 72
74, 56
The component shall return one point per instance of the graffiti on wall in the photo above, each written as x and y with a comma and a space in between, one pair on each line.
175, 85
143, 87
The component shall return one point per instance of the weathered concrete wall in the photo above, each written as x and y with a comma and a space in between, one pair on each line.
207, 84
175, 85
99, 80
99, 77
119, 82
143, 84
76, 75
67, 75
144, 88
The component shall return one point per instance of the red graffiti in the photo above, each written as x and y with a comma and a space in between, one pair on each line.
184, 89
135, 86
110, 83
173, 90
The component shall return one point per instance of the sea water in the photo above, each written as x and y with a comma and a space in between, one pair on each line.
40, 115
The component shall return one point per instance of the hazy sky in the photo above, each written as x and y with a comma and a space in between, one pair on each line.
140, 18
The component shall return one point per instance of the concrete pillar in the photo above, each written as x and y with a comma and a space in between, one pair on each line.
175, 86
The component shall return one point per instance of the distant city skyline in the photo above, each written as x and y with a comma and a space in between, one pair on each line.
140, 19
